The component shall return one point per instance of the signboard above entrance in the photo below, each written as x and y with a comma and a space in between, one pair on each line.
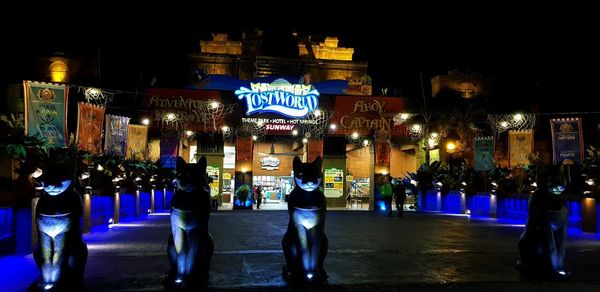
367, 114
269, 163
280, 97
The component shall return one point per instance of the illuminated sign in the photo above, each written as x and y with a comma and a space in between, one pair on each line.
334, 183
213, 174
280, 97
279, 127
229, 158
269, 163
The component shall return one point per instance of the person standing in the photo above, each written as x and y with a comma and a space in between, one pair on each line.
400, 197
385, 189
258, 196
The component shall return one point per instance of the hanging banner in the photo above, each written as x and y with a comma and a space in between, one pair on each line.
169, 142
315, 148
484, 153
89, 127
46, 111
115, 137
520, 146
567, 140
382, 152
243, 149
137, 141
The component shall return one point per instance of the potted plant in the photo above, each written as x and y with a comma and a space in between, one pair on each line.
26, 154
242, 199
424, 179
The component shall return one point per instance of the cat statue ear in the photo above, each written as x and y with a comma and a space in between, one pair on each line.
180, 163
318, 162
297, 163
202, 164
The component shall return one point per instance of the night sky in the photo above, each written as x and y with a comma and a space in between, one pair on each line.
531, 53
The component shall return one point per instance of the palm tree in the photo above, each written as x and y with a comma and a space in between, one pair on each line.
449, 115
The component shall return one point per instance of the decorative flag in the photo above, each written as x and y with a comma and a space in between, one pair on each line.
484, 153
243, 149
137, 141
382, 152
46, 111
169, 143
89, 127
520, 146
567, 140
115, 142
315, 148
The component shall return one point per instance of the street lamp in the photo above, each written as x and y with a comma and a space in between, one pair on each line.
450, 147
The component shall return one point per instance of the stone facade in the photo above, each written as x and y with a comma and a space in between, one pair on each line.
221, 45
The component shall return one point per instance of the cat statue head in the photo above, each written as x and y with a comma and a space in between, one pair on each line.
191, 177
58, 172
308, 175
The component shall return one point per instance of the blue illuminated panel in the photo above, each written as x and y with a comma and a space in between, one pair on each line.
479, 205
513, 208
158, 199
430, 201
102, 209
451, 202
169, 198
6, 224
575, 215
127, 205
145, 201
7, 239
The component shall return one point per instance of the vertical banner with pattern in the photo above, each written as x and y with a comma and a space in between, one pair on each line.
520, 146
567, 140
169, 146
46, 111
115, 142
484, 153
89, 127
315, 148
137, 141
382, 152
243, 149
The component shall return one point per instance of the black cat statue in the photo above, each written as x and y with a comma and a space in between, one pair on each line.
542, 244
305, 244
60, 252
190, 246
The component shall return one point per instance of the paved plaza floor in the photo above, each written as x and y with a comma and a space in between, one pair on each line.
368, 251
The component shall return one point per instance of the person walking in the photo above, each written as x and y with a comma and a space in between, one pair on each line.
399, 196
